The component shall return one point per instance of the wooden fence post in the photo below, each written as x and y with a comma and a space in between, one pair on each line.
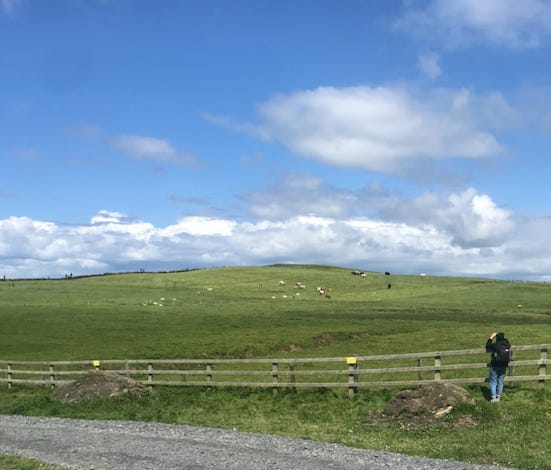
352, 375
437, 364
9, 376
274, 377
150, 375
543, 357
420, 372
293, 377
52, 376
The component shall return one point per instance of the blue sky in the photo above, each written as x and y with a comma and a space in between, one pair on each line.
406, 136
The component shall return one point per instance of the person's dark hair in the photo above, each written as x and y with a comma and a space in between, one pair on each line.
500, 336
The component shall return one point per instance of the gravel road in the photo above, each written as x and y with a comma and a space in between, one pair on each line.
126, 445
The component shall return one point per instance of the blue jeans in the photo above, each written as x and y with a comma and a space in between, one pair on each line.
497, 375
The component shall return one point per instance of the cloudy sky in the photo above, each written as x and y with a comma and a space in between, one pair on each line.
406, 136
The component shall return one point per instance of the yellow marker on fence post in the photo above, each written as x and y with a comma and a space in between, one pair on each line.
96, 364
352, 375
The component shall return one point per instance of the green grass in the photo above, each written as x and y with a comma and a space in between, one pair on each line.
514, 433
8, 462
245, 314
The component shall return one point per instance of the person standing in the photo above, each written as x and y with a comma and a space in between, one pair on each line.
500, 356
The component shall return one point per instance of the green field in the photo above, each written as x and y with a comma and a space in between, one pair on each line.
244, 312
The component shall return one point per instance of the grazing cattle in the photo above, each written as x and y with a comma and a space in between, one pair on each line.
387, 273
282, 283
362, 274
422, 275
327, 296
356, 273
389, 286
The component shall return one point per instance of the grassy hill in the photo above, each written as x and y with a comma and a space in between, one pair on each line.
244, 311
238, 312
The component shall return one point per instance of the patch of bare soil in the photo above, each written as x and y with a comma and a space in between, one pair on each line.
425, 406
97, 384
327, 339
290, 348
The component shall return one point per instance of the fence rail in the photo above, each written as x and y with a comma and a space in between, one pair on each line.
460, 367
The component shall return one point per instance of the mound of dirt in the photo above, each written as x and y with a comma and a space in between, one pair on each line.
425, 406
97, 384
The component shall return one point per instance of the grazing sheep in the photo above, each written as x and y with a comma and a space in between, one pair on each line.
282, 283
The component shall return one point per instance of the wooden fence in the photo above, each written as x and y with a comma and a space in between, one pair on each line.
353, 372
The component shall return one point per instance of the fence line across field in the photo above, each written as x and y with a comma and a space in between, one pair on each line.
352, 372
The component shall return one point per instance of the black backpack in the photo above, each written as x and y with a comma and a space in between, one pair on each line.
501, 354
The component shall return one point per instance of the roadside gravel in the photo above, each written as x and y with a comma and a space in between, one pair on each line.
127, 445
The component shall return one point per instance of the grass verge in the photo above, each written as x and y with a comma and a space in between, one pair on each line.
8, 462
513, 433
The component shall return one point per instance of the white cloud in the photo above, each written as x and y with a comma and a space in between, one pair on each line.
300, 194
104, 216
508, 23
151, 148
475, 220
428, 64
201, 226
468, 235
470, 219
382, 128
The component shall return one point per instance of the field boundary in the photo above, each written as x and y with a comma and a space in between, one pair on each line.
353, 372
